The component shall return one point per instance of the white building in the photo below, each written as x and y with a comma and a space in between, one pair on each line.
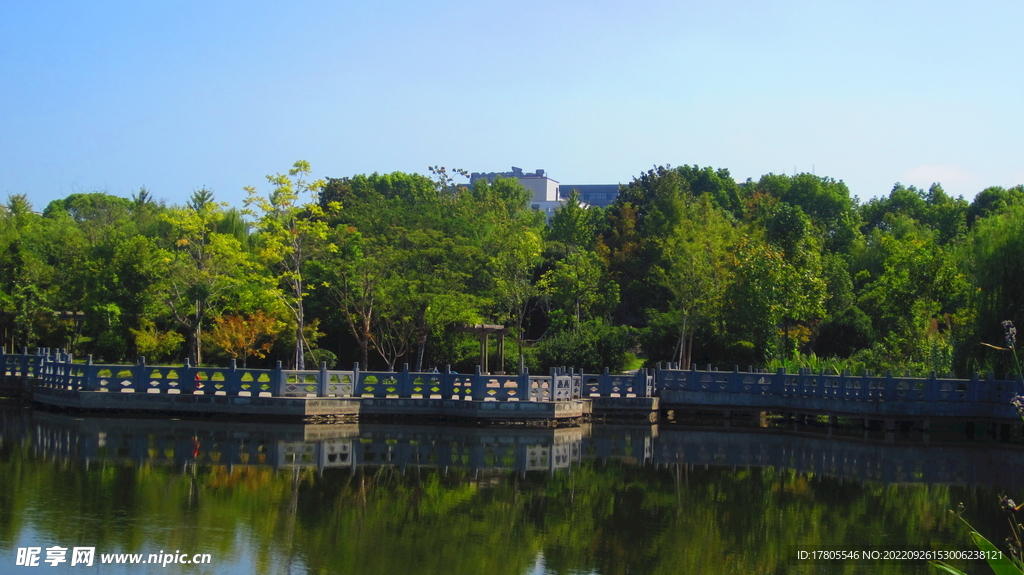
546, 193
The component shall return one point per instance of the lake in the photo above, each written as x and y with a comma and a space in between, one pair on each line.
609, 499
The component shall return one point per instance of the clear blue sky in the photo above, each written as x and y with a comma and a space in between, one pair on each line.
179, 95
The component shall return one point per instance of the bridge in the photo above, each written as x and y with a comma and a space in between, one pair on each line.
52, 377
867, 395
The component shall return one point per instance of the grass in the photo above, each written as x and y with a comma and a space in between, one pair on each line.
633, 362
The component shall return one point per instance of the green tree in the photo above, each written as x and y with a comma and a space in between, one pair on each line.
913, 291
579, 288
995, 258
771, 295
154, 344
352, 277
993, 200
204, 269
291, 232
696, 271
572, 227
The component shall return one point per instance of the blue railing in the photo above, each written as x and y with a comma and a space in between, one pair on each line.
55, 369
865, 388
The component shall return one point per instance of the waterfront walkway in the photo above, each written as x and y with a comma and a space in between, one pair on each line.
53, 378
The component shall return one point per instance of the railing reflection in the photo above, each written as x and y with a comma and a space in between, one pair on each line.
519, 449
179, 443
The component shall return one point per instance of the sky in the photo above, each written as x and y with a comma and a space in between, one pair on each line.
178, 96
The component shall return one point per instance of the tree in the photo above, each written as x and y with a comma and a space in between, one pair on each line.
244, 336
572, 228
646, 211
24, 297
203, 268
352, 276
993, 200
513, 240
909, 285
290, 234
579, 288
769, 295
154, 344
696, 271
934, 209
512, 268
995, 257
718, 185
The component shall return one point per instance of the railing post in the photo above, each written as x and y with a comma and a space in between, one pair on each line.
140, 383
443, 382
524, 383
355, 380
279, 378
931, 389
187, 380
69, 372
974, 389
234, 387
322, 388
23, 372
405, 382
478, 382
89, 379
41, 366
478, 389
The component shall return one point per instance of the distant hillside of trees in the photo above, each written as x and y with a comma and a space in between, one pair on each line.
686, 266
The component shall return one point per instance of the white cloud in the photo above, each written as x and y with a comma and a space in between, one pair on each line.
954, 180
948, 176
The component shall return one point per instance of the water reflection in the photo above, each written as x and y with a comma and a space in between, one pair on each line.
277, 498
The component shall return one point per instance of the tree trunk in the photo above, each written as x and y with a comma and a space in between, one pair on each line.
300, 351
689, 352
192, 342
684, 357
364, 353
300, 355
419, 352
300, 324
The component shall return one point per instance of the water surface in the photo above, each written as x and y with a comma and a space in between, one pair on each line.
380, 499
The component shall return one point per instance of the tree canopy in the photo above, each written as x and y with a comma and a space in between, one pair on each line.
687, 265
